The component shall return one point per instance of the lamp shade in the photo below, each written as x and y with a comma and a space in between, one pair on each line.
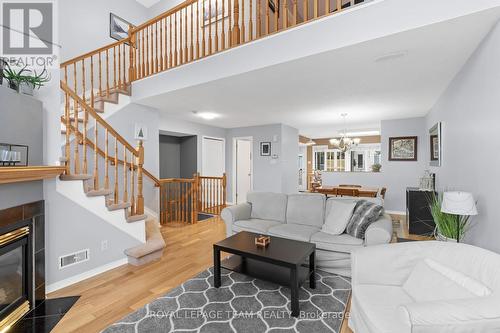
458, 203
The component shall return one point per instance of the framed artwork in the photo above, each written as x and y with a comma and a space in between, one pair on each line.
118, 27
435, 145
403, 148
140, 132
265, 149
213, 11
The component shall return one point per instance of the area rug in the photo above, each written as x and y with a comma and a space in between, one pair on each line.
242, 304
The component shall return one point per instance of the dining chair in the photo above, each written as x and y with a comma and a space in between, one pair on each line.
348, 192
345, 185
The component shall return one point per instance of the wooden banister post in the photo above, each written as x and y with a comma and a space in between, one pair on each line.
140, 162
131, 66
236, 27
224, 184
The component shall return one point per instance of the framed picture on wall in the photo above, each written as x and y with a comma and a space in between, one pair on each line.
212, 11
265, 149
403, 148
118, 27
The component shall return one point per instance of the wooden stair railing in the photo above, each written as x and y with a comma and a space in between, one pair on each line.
212, 194
126, 183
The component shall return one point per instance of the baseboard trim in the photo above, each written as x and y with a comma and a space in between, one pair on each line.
85, 275
395, 212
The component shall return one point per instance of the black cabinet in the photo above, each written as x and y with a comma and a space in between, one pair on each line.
418, 213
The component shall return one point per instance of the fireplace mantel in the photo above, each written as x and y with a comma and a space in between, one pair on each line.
31, 173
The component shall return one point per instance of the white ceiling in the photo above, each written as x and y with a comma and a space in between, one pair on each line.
148, 3
311, 93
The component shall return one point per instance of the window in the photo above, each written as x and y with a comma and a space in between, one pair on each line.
359, 159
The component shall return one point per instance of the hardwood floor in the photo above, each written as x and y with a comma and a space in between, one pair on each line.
112, 295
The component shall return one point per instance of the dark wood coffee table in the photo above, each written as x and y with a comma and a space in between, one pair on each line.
282, 262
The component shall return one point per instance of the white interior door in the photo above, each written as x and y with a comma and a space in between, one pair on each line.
213, 157
243, 169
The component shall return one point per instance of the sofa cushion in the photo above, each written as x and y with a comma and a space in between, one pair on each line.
306, 209
331, 200
425, 284
254, 225
338, 217
340, 243
379, 306
293, 231
364, 214
268, 206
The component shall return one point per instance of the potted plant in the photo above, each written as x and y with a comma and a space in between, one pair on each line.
3, 65
446, 224
30, 82
15, 77
376, 167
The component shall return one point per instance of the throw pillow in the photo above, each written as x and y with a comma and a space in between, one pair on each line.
365, 213
425, 284
340, 214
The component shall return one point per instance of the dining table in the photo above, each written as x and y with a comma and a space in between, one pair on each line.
367, 192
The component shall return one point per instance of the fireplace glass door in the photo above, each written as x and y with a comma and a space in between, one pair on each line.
13, 279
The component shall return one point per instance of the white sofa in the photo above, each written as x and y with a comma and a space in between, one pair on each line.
382, 302
301, 217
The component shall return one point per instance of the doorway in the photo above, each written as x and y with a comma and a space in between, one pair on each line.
243, 179
213, 157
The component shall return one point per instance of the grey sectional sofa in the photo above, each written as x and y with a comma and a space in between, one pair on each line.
301, 217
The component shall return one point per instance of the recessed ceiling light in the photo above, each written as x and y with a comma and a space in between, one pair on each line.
206, 115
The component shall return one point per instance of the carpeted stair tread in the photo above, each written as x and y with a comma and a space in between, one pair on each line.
154, 242
135, 218
81, 176
120, 205
99, 192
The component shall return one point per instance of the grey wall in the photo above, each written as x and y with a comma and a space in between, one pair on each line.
86, 23
273, 175
396, 176
170, 157
17, 114
469, 112
188, 156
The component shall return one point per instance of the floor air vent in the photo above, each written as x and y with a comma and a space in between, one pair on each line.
74, 258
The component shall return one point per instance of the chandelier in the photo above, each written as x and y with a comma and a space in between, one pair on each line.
345, 143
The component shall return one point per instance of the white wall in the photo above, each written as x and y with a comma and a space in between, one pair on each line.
469, 112
289, 159
396, 176
86, 23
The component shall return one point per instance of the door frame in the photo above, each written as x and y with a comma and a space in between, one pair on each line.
203, 151
234, 175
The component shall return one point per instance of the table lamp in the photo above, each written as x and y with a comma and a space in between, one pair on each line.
460, 204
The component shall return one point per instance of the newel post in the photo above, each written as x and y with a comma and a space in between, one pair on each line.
131, 68
139, 209
195, 189
236, 27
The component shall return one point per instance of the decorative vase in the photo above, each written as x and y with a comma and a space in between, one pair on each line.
26, 88
14, 86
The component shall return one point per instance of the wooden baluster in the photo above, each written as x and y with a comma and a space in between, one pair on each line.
267, 25
315, 8
164, 43
170, 42
143, 49
140, 163
196, 186
229, 26
158, 48
214, 197
146, 56
250, 23
259, 19
242, 29
177, 211
304, 10
216, 26
198, 54
224, 194
107, 72
96, 161
223, 32
327, 7
119, 66
203, 43
67, 162
285, 15
132, 184
92, 81
295, 12
75, 142
236, 27
85, 122
191, 48
186, 52
74, 79
276, 9
114, 67
131, 61
106, 159
339, 5
184, 205
116, 172
125, 175
210, 26
175, 40
181, 47
83, 80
